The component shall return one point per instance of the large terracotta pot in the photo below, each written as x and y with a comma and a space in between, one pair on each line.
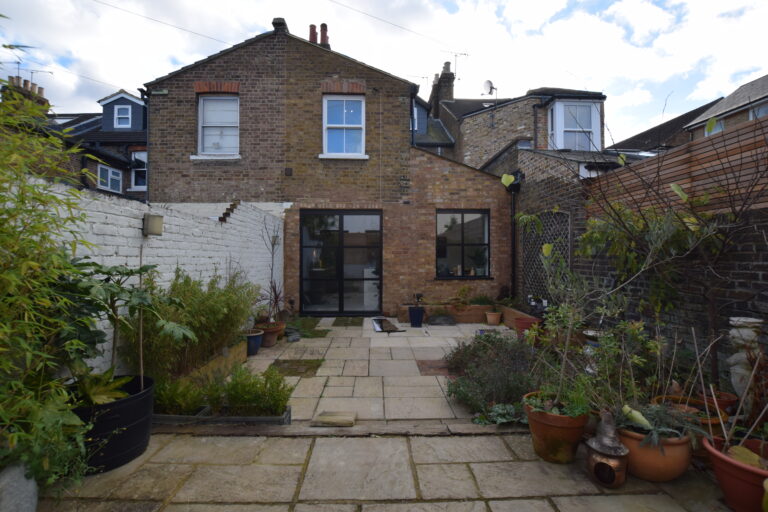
271, 331
493, 317
555, 437
742, 485
649, 463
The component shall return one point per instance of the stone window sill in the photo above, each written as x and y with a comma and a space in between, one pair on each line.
214, 157
341, 156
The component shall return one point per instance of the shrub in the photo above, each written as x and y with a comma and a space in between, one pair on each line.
494, 368
481, 300
178, 396
248, 394
215, 312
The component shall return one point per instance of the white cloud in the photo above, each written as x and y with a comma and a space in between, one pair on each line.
713, 45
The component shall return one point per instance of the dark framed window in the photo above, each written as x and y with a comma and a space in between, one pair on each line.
463, 244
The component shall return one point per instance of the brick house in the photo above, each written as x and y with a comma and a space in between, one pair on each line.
370, 219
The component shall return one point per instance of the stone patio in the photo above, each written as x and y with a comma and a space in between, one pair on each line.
373, 374
488, 473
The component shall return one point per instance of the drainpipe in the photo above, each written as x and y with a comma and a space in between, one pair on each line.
145, 97
513, 241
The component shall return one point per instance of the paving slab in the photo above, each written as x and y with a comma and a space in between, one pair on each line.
368, 387
320, 507
522, 446
359, 469
303, 408
347, 353
417, 408
442, 481
428, 353
366, 408
209, 450
333, 363
284, 450
364, 342
413, 392
411, 381
52, 505
326, 371
696, 492
354, 368
258, 365
339, 391
381, 353
399, 368
152, 482
528, 479
522, 506
402, 353
624, 503
447, 506
341, 381
459, 449
230, 507
309, 387
240, 484
388, 342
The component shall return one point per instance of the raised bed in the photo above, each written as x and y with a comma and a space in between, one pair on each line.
181, 419
516, 319
470, 314
284, 419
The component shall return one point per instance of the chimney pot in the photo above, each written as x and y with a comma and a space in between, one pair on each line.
33, 88
280, 25
41, 92
313, 34
26, 85
447, 67
324, 36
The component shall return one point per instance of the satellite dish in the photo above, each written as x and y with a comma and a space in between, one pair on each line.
488, 87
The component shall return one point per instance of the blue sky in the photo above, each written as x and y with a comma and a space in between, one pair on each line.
654, 59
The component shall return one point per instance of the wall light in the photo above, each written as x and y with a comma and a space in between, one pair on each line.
153, 224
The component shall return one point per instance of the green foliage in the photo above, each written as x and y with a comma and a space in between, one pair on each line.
38, 427
307, 327
214, 313
665, 421
493, 368
178, 396
99, 388
573, 400
481, 300
248, 394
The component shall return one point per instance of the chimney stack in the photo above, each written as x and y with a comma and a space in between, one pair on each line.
442, 89
280, 25
324, 36
26, 88
313, 34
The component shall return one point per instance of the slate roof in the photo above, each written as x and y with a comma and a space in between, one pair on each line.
436, 135
748, 93
660, 136
466, 107
126, 137
574, 93
77, 123
121, 92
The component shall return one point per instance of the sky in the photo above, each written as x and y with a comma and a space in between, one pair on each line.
653, 59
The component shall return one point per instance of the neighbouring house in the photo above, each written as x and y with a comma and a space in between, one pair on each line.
662, 137
748, 102
117, 137
370, 219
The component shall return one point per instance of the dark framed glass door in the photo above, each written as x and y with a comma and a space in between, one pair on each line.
340, 262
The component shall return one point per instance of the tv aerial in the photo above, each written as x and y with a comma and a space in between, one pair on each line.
488, 87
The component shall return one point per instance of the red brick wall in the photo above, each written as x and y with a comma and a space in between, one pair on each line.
409, 231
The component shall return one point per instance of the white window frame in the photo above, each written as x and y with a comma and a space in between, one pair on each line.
415, 124
111, 173
134, 187
719, 127
201, 155
348, 156
760, 106
118, 116
557, 128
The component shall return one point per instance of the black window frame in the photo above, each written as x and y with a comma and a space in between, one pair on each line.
463, 244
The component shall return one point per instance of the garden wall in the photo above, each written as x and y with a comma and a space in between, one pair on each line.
199, 238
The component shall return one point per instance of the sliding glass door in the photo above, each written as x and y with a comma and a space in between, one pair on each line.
340, 262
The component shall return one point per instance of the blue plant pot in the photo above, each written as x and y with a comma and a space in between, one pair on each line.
254, 341
416, 315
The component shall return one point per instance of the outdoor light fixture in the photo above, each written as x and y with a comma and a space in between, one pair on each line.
512, 181
153, 224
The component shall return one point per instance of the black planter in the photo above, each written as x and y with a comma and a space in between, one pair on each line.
416, 315
121, 429
254, 341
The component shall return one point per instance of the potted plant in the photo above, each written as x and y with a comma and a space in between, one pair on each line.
416, 312
493, 317
254, 338
656, 435
273, 298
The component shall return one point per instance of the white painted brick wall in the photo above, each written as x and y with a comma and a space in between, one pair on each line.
191, 240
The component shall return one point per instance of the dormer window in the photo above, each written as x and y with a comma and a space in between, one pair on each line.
575, 125
122, 116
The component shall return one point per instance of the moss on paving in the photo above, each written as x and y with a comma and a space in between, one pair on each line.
348, 321
307, 327
297, 367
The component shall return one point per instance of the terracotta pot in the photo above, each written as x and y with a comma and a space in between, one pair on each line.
742, 485
724, 400
555, 437
493, 317
271, 331
693, 406
649, 463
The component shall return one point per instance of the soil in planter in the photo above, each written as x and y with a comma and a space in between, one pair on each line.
297, 367
348, 321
